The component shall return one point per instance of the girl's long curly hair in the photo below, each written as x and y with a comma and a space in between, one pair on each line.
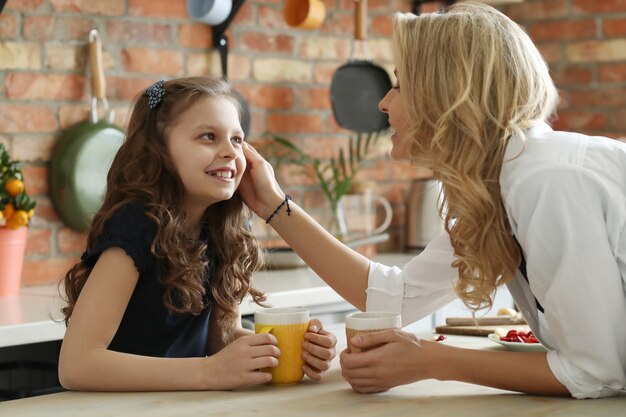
143, 171
470, 79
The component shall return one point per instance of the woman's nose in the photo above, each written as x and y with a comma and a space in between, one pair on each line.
383, 104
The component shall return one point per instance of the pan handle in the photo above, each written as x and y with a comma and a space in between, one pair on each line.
98, 84
360, 20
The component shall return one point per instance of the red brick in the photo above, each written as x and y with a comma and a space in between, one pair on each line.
29, 86
612, 72
618, 120
35, 179
381, 25
271, 18
323, 148
563, 30
38, 242
323, 72
122, 88
535, 10
594, 6
262, 42
314, 98
38, 28
8, 26
267, 96
551, 52
152, 61
45, 213
294, 123
431, 7
579, 119
26, 118
129, 32
106, 8
158, 8
239, 67
245, 14
571, 75
71, 242
338, 24
33, 148
614, 27
597, 98
72, 114
72, 28
23, 5
45, 271
195, 35
66, 57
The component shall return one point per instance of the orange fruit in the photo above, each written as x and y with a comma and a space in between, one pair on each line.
14, 187
8, 211
19, 218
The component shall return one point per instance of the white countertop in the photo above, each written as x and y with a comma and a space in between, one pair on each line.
34, 315
331, 397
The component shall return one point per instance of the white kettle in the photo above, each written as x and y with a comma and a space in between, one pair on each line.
422, 222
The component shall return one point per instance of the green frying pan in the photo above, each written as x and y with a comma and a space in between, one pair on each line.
82, 157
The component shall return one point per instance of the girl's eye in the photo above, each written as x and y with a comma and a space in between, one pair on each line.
237, 139
207, 136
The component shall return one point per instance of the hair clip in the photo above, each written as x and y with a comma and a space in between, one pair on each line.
155, 93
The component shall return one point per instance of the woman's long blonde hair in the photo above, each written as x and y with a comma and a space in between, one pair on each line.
143, 171
470, 79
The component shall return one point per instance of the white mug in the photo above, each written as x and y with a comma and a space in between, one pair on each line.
212, 12
360, 212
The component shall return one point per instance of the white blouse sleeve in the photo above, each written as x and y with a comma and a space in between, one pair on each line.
569, 223
421, 287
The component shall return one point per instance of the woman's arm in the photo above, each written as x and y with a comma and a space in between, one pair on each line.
403, 359
342, 268
85, 363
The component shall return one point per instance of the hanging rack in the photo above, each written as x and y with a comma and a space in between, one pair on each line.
220, 40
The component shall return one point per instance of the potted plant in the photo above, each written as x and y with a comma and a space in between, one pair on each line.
335, 176
16, 210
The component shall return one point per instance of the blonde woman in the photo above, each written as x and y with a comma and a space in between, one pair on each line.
539, 211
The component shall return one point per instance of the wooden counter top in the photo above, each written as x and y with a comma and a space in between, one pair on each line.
332, 397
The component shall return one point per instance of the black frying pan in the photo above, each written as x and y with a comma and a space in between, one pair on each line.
2, 2
222, 46
359, 85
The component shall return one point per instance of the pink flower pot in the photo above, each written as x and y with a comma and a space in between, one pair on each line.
12, 249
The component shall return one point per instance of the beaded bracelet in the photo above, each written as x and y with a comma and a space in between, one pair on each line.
285, 201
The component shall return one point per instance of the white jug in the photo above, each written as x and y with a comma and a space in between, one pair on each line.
423, 222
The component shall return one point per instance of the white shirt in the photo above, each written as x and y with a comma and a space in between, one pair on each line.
565, 196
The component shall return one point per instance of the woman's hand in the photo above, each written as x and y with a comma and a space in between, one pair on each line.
258, 187
239, 363
319, 350
395, 358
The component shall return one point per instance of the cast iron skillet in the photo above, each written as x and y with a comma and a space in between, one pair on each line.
359, 85
82, 157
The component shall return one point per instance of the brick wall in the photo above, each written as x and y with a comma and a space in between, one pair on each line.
283, 73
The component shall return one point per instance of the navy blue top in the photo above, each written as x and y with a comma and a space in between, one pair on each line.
147, 327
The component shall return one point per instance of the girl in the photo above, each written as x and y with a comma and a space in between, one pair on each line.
153, 303
543, 212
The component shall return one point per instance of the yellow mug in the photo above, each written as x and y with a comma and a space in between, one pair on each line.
288, 325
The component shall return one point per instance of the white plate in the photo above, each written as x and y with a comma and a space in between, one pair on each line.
518, 346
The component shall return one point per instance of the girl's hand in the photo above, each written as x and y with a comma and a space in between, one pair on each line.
258, 187
400, 359
239, 363
319, 350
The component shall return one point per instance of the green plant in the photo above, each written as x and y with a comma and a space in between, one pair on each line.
16, 207
335, 176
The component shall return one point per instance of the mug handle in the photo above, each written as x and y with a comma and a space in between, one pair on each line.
388, 214
266, 329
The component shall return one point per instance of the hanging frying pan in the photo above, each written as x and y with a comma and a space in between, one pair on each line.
222, 45
359, 85
82, 157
